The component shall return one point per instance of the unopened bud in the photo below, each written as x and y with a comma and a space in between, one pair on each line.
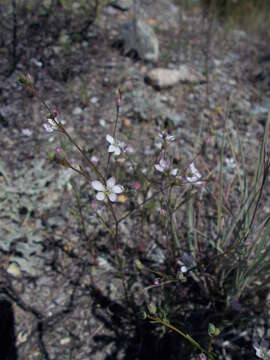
152, 308
138, 264
29, 79
118, 101
211, 329
54, 113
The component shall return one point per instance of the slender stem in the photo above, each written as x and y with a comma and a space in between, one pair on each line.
63, 130
186, 336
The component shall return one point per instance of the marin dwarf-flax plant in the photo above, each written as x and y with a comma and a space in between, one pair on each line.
224, 267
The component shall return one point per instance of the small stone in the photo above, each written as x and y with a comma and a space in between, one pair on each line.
13, 269
102, 122
65, 341
123, 5
141, 38
127, 123
27, 132
77, 111
22, 337
164, 78
94, 100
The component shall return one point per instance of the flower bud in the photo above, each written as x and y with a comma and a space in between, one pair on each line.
152, 308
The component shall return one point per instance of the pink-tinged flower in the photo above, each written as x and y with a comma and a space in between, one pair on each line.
166, 137
262, 350
164, 167
202, 357
162, 212
194, 176
58, 150
137, 185
51, 125
118, 101
116, 147
109, 191
156, 282
94, 159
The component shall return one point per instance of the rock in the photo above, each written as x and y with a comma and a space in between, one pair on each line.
122, 4
65, 341
77, 111
94, 100
13, 269
27, 132
143, 106
140, 38
164, 78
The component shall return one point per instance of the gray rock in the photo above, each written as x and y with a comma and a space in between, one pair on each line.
145, 107
164, 78
140, 37
122, 4
77, 111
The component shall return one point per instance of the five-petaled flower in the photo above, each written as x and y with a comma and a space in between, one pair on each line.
51, 124
116, 147
262, 350
194, 176
109, 191
164, 167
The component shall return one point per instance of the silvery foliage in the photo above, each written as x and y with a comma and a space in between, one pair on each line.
22, 233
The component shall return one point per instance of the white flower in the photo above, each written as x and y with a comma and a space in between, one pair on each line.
51, 124
164, 167
116, 147
230, 163
166, 137
194, 176
262, 350
108, 191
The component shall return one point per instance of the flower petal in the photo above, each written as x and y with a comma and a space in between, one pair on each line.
113, 197
165, 164
48, 128
51, 122
111, 148
117, 189
110, 139
100, 196
117, 150
97, 185
174, 172
170, 138
159, 168
110, 182
184, 269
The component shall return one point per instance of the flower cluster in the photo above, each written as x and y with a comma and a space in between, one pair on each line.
51, 124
